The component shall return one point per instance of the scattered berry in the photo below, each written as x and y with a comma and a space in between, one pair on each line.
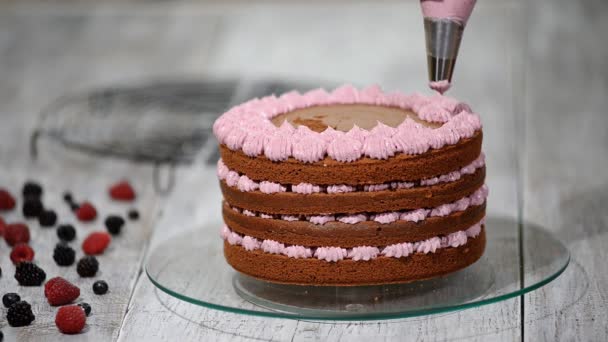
32, 190
32, 208
74, 207
114, 224
122, 191
96, 243
86, 307
59, 291
70, 319
9, 299
28, 274
16, 233
47, 218
87, 266
20, 314
7, 201
67, 197
22, 252
1, 336
133, 215
66, 232
86, 212
2, 226
100, 287
63, 254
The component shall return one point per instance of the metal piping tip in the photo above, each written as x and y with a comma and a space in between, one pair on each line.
443, 36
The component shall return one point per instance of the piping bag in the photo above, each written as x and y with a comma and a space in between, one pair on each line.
444, 22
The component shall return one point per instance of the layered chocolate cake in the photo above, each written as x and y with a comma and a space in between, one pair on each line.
351, 187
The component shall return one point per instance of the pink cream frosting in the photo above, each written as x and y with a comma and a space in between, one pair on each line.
247, 127
440, 86
455, 9
475, 199
361, 253
245, 184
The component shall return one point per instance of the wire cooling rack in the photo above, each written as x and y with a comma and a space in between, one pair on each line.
164, 123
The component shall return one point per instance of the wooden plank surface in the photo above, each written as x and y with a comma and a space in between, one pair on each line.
50, 50
565, 179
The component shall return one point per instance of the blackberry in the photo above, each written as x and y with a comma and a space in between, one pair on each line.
66, 232
47, 218
32, 190
86, 307
32, 207
100, 287
9, 299
87, 266
64, 255
20, 314
67, 197
1, 336
74, 206
133, 214
114, 224
28, 274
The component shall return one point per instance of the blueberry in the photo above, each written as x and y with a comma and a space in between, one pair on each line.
86, 307
100, 287
66, 232
133, 214
10, 298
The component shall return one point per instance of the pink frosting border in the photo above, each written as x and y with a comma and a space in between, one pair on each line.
245, 184
247, 127
476, 198
361, 253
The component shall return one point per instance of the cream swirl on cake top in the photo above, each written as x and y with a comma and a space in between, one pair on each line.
310, 127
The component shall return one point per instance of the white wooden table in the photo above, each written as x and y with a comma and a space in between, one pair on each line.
536, 72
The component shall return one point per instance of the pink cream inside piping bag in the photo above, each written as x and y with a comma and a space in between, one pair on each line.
459, 10
440, 86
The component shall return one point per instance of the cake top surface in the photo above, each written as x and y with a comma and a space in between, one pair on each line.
345, 125
343, 117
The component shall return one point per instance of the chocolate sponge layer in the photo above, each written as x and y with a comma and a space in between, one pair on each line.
290, 203
382, 270
401, 167
368, 233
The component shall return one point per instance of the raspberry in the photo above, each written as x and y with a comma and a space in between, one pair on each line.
20, 314
100, 287
9, 299
122, 191
66, 232
86, 212
86, 307
70, 319
28, 274
47, 218
15, 233
22, 252
59, 291
64, 255
7, 201
87, 266
2, 226
96, 243
114, 224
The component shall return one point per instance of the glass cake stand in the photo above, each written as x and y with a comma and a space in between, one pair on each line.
191, 267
